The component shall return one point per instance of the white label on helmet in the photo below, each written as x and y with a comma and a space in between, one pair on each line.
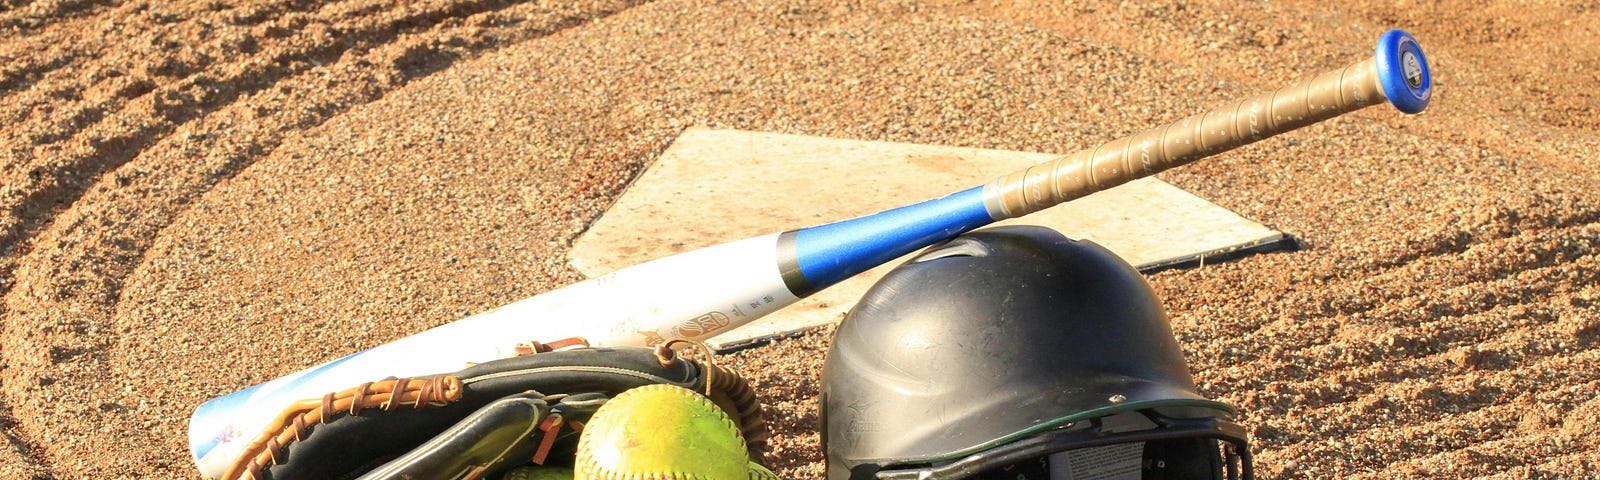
1111, 462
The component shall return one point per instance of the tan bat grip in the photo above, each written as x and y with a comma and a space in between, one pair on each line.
1151, 151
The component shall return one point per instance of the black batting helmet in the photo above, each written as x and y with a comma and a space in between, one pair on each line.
1017, 352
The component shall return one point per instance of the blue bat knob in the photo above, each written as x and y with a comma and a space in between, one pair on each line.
1403, 72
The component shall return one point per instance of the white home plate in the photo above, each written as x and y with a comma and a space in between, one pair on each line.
715, 186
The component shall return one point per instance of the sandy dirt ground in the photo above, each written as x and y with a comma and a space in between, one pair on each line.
200, 196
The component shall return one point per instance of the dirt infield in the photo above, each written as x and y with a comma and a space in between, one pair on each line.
202, 196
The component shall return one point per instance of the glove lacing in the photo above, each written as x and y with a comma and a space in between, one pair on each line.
728, 390
299, 418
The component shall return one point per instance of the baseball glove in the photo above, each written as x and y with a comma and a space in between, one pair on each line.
481, 421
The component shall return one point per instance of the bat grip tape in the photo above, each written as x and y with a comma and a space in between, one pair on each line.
1397, 73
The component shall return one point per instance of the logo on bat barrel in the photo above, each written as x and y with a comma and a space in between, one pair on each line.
701, 325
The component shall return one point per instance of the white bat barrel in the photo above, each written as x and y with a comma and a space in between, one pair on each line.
696, 295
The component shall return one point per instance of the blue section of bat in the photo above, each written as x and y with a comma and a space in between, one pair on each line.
828, 254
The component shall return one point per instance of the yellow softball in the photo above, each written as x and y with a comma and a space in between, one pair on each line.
661, 432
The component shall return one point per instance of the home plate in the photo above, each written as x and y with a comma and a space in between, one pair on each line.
715, 186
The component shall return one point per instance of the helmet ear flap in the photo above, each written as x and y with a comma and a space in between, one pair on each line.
1182, 458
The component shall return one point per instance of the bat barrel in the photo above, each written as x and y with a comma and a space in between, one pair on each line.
1397, 73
